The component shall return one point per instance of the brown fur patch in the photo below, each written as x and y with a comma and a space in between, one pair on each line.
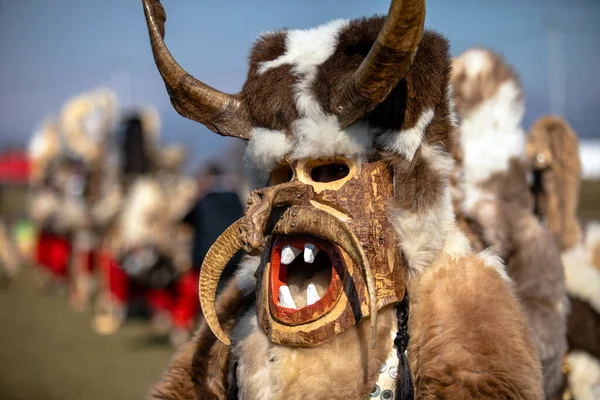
420, 184
553, 149
270, 96
584, 328
427, 85
596, 256
469, 336
471, 90
199, 370
533, 263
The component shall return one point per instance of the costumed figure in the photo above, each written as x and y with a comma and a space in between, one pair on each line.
88, 123
349, 124
553, 152
218, 206
47, 184
496, 205
146, 252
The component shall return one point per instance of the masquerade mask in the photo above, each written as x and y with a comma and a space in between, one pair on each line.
329, 242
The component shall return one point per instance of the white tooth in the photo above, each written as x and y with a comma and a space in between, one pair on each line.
310, 252
289, 254
285, 297
311, 294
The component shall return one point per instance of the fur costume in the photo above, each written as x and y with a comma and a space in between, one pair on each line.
495, 199
356, 158
553, 151
69, 170
49, 181
146, 251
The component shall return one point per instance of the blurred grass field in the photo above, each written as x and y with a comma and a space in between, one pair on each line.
50, 352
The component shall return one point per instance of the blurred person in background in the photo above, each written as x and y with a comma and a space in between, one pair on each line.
218, 206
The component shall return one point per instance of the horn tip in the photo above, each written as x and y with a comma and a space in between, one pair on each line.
224, 339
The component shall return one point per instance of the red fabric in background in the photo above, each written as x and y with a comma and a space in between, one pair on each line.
114, 277
14, 167
53, 253
183, 304
186, 299
89, 258
121, 288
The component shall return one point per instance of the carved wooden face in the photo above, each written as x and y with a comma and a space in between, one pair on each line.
311, 289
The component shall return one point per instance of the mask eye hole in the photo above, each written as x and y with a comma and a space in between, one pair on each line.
329, 172
281, 174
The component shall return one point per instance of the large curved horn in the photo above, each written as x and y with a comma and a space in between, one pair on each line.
222, 113
217, 257
388, 61
296, 220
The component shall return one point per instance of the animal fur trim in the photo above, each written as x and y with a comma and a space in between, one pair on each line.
584, 376
582, 279
469, 335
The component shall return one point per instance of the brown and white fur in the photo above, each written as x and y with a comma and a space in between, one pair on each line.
553, 151
468, 339
496, 199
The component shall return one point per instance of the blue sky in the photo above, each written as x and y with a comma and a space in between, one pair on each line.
50, 50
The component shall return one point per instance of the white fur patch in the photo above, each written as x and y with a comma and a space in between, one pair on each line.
581, 278
457, 245
308, 47
451, 106
246, 281
265, 149
423, 236
146, 197
254, 368
584, 376
40, 143
490, 137
475, 61
438, 159
493, 260
322, 137
407, 141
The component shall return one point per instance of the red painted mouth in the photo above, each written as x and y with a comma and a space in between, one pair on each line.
306, 278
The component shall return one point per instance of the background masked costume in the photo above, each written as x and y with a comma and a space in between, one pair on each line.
349, 125
68, 167
495, 205
553, 154
146, 251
